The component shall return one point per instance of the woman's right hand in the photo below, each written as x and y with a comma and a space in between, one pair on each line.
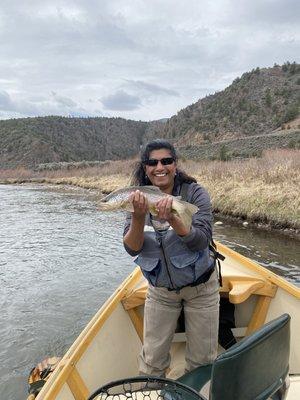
134, 238
140, 204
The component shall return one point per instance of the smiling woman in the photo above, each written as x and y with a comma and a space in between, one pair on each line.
176, 261
161, 169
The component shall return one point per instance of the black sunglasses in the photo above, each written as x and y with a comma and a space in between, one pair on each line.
152, 162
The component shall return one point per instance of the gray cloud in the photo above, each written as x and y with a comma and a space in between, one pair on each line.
152, 88
51, 105
5, 102
121, 101
264, 12
144, 59
64, 101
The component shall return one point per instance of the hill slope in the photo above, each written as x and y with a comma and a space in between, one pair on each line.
31, 141
260, 102
255, 104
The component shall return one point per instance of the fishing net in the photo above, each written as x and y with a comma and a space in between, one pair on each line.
145, 388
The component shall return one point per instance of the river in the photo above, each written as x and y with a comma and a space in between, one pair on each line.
60, 259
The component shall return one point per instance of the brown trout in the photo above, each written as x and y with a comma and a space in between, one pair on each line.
119, 200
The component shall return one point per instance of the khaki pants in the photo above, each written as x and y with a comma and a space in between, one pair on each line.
162, 309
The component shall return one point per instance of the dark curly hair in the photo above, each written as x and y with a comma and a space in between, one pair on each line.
139, 177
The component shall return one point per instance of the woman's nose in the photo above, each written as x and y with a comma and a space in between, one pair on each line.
159, 164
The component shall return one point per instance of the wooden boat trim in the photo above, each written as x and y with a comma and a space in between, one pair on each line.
132, 292
135, 298
251, 265
259, 314
239, 288
68, 363
137, 321
77, 385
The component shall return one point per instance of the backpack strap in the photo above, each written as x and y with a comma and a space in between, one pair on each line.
184, 191
212, 246
217, 256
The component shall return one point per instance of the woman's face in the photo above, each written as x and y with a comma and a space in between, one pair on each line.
161, 175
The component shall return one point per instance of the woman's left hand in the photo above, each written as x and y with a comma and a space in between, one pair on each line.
164, 211
164, 208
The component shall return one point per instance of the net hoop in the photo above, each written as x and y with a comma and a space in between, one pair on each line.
145, 387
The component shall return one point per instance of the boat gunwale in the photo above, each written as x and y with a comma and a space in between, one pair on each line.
77, 349
253, 266
67, 364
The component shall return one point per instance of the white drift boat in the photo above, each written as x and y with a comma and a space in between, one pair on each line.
108, 347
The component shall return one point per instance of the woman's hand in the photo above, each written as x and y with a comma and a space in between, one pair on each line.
134, 238
164, 208
164, 211
140, 204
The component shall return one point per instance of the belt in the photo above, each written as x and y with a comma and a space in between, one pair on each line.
202, 279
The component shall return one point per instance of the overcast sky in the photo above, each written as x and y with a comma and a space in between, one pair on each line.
137, 59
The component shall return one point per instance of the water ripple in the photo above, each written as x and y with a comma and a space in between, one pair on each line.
60, 259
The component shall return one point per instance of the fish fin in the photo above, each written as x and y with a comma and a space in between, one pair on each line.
150, 190
118, 191
115, 207
191, 207
127, 206
152, 210
185, 211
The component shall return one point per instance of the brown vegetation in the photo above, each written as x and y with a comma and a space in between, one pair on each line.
259, 189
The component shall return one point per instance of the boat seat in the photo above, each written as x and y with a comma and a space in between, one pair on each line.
238, 287
254, 368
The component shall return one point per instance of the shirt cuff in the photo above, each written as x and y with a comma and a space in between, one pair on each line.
131, 252
189, 238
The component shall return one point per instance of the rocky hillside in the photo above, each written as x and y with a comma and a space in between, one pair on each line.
257, 103
243, 147
31, 141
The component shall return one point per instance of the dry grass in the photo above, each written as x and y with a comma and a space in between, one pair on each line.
264, 189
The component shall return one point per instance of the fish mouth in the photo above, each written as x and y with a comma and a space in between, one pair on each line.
104, 206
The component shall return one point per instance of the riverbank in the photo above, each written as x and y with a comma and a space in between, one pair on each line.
263, 191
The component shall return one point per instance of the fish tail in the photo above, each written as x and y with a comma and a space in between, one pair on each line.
185, 212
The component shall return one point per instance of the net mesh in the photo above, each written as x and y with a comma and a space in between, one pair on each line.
145, 388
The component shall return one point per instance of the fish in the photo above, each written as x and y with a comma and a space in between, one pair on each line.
119, 200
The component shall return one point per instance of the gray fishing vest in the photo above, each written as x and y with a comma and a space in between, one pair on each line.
166, 261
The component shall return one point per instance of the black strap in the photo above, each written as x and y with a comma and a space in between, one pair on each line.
212, 246
184, 191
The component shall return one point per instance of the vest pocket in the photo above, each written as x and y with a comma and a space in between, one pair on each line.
184, 268
150, 268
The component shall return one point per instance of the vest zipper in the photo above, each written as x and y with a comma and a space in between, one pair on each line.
166, 262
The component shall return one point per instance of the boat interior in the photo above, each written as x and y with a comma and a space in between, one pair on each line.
109, 346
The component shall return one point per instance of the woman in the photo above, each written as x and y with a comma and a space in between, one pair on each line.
176, 262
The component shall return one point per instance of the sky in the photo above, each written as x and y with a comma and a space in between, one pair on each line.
135, 59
